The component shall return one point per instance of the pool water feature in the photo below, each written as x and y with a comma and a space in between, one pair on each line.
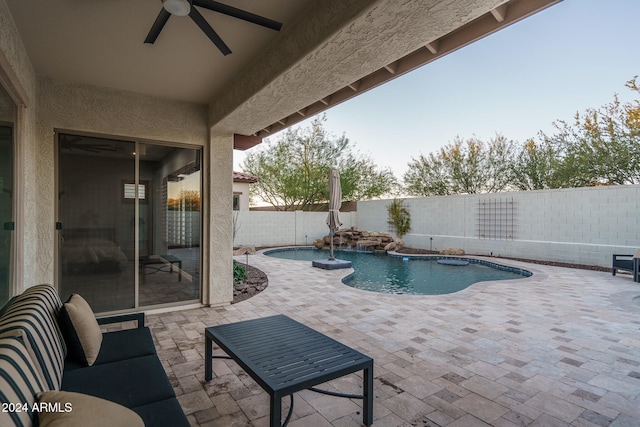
408, 274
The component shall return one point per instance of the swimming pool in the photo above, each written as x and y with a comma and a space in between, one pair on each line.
407, 274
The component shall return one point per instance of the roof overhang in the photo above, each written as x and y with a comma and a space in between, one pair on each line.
326, 53
319, 87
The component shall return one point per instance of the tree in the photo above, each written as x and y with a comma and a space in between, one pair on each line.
427, 176
294, 170
188, 200
536, 167
601, 147
462, 167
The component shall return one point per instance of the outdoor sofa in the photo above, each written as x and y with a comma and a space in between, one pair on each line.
58, 368
629, 263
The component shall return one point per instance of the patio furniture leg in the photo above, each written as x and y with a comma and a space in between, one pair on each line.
367, 402
276, 410
208, 358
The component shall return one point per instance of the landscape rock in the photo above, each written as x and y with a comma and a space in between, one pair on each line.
242, 250
452, 251
354, 238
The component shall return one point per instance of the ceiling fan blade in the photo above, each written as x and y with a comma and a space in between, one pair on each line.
238, 13
157, 26
102, 147
206, 28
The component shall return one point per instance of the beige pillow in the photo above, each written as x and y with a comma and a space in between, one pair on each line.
80, 330
69, 409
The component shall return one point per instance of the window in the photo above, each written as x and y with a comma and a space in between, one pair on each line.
129, 191
236, 201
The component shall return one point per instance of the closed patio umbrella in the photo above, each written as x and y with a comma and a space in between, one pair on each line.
335, 202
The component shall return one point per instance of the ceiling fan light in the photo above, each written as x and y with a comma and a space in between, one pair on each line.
177, 7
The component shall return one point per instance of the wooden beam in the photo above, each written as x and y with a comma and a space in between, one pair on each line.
355, 85
500, 12
392, 68
433, 46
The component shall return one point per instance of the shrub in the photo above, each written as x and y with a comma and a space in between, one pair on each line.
239, 272
399, 217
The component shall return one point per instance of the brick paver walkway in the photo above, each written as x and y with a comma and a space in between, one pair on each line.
560, 348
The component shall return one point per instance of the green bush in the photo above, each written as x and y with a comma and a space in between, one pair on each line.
239, 272
399, 217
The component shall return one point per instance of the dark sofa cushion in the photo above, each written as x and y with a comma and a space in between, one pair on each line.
131, 383
624, 264
164, 413
120, 345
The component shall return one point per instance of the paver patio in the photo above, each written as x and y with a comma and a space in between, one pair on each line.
559, 348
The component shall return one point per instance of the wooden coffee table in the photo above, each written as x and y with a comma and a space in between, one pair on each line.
284, 356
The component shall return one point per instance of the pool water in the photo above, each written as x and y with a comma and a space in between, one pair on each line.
407, 275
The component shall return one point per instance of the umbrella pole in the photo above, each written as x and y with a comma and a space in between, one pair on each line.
331, 258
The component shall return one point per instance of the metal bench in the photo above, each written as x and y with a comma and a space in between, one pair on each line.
629, 263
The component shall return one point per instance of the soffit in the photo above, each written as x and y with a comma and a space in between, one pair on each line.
101, 43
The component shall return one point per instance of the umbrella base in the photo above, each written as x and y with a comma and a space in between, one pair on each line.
331, 264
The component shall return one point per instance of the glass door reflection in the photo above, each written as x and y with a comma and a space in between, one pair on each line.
97, 221
169, 262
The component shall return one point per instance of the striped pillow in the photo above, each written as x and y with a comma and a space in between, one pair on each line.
48, 294
51, 301
19, 383
28, 317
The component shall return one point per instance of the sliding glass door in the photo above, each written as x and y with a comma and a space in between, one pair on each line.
122, 246
96, 221
7, 195
169, 262
6, 211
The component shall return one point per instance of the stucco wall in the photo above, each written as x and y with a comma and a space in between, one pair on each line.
582, 225
26, 212
242, 190
270, 228
218, 231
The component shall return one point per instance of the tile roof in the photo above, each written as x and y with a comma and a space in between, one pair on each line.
244, 177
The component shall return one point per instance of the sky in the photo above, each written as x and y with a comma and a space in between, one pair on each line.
516, 82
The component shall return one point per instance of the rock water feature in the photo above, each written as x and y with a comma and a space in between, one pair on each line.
357, 239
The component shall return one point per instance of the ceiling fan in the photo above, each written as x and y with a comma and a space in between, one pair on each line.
188, 7
69, 142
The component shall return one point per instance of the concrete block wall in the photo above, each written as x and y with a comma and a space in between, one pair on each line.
271, 228
582, 225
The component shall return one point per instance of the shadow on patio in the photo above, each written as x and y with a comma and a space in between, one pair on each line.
559, 348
